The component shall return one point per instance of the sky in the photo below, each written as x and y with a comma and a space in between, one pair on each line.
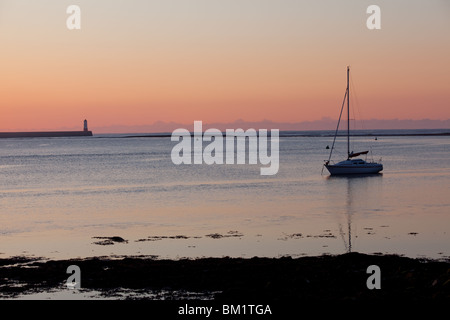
134, 62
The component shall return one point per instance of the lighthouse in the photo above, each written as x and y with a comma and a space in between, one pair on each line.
37, 134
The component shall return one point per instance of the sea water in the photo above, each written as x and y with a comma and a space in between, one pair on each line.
64, 197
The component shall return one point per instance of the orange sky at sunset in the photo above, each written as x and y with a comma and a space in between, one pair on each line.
139, 62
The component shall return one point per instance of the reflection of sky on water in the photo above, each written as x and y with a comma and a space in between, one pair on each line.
56, 197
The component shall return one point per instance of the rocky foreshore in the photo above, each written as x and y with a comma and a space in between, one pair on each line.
319, 278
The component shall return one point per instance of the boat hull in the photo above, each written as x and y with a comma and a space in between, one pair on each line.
337, 169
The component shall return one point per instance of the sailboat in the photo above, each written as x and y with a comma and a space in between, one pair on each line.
351, 165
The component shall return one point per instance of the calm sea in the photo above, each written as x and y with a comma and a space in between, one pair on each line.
63, 197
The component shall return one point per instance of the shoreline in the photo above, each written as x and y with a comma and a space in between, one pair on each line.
317, 278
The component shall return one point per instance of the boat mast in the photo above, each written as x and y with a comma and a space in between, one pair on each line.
348, 113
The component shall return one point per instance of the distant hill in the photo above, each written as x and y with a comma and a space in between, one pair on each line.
323, 124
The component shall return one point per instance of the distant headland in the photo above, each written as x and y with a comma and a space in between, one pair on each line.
46, 134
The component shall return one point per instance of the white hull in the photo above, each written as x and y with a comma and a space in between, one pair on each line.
354, 169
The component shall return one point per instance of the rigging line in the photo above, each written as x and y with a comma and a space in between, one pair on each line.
358, 119
361, 119
340, 153
356, 103
337, 127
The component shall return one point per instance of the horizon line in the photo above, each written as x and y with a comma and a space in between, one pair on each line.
325, 123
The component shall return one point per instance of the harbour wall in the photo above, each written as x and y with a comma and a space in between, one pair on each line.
45, 134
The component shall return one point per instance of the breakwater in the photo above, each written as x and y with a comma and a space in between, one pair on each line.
40, 134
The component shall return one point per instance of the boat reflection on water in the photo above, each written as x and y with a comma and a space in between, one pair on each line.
356, 199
